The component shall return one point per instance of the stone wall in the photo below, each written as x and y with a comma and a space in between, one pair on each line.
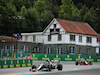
44, 47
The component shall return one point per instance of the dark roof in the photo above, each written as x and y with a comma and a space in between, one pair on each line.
76, 27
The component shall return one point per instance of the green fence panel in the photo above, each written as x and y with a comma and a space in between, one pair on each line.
98, 58
15, 63
61, 57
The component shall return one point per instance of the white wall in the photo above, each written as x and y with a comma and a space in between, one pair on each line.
66, 40
54, 40
98, 46
38, 37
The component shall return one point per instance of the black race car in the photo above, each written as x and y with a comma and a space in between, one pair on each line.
48, 65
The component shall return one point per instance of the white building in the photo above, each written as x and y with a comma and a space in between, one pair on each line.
65, 37
98, 45
32, 37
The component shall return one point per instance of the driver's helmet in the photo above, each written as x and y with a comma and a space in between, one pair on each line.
47, 60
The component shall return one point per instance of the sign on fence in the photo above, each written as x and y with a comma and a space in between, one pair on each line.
15, 63
61, 57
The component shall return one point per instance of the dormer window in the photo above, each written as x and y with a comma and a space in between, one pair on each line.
54, 25
54, 31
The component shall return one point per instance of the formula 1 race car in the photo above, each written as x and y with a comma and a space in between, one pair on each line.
82, 61
48, 65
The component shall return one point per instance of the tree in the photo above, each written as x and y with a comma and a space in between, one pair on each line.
42, 5
43, 8
66, 9
46, 17
23, 11
32, 19
8, 16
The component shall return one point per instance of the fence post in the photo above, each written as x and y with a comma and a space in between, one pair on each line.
1, 53
7, 53
12, 53
17, 52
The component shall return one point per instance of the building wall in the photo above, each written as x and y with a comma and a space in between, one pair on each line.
66, 39
29, 38
30, 46
66, 49
43, 48
98, 48
66, 36
18, 46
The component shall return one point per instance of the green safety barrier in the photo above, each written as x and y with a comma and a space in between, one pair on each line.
15, 63
6, 55
61, 57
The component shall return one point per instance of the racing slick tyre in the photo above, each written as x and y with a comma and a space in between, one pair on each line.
33, 68
59, 67
76, 63
89, 63
81, 63
49, 67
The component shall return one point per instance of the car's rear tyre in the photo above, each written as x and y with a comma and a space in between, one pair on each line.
81, 63
76, 63
33, 66
59, 67
90, 63
49, 67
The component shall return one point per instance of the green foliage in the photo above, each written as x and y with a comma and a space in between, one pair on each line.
34, 15
46, 17
66, 9
42, 5
23, 11
32, 19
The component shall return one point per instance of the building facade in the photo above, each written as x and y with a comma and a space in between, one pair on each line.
65, 37
98, 45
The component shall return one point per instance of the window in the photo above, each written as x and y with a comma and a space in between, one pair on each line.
59, 50
33, 38
49, 37
24, 48
72, 51
54, 31
79, 52
80, 38
89, 39
51, 30
36, 49
5, 48
72, 37
26, 37
12, 48
59, 37
88, 51
49, 50
54, 25
58, 30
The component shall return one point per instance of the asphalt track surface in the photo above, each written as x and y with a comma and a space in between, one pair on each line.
69, 68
